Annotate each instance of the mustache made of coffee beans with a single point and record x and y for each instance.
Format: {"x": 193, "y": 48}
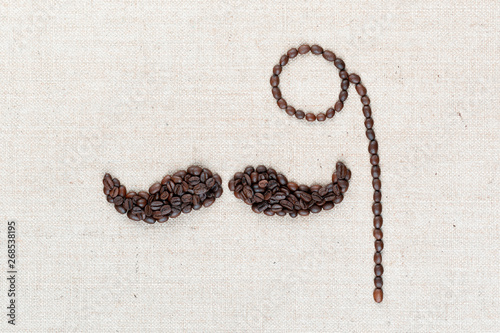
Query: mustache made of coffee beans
{"x": 271, "y": 193}
{"x": 182, "y": 192}
{"x": 347, "y": 79}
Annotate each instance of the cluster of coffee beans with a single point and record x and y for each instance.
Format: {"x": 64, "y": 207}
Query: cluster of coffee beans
{"x": 180, "y": 193}
{"x": 271, "y": 193}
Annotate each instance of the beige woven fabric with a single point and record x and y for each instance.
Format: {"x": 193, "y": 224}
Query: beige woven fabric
{"x": 144, "y": 88}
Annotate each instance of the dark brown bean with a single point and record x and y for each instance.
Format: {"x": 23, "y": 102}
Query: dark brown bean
{"x": 379, "y": 245}
{"x": 300, "y": 114}
{"x": 339, "y": 63}
{"x": 284, "y": 60}
{"x": 377, "y": 258}
{"x": 361, "y": 89}
{"x": 369, "y": 123}
{"x": 290, "y": 110}
{"x": 378, "y": 221}
{"x": 375, "y": 171}
{"x": 367, "y": 111}
{"x": 292, "y": 53}
{"x": 276, "y": 93}
{"x": 303, "y": 49}
{"x": 354, "y": 78}
{"x": 120, "y": 209}
{"x": 277, "y": 70}
{"x": 321, "y": 117}
{"x": 344, "y": 85}
{"x": 379, "y": 270}
{"x": 377, "y": 196}
{"x": 275, "y": 80}
{"x": 373, "y": 147}
{"x": 377, "y": 184}
{"x": 374, "y": 160}
{"x": 310, "y": 116}
{"x": 343, "y": 96}
{"x": 316, "y": 49}
{"x": 378, "y": 295}
{"x": 365, "y": 100}
{"x": 378, "y": 282}
{"x": 338, "y": 106}
{"x": 281, "y": 103}
{"x": 378, "y": 234}
{"x": 329, "y": 55}
{"x": 330, "y": 113}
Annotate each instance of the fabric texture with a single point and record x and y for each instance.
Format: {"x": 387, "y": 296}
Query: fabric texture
{"x": 141, "y": 89}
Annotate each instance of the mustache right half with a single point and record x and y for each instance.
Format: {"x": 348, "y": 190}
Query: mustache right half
{"x": 271, "y": 193}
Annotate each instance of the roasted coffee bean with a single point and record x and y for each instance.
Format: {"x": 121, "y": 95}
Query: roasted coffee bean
{"x": 114, "y": 192}
{"x": 343, "y": 96}
{"x": 377, "y": 184}
{"x": 281, "y": 103}
{"x": 290, "y": 110}
{"x": 338, "y": 106}
{"x": 118, "y": 200}
{"x": 344, "y": 86}
{"x": 148, "y": 210}
{"x": 361, "y": 89}
{"x": 365, "y": 100}
{"x": 276, "y": 92}
{"x": 329, "y": 55}
{"x": 330, "y": 113}
{"x": 200, "y": 189}
{"x": 378, "y": 282}
{"x": 300, "y": 114}
{"x": 375, "y": 171}
{"x": 292, "y": 53}
{"x": 310, "y": 116}
{"x": 374, "y": 159}
{"x": 354, "y": 78}
{"x": 128, "y": 204}
{"x": 303, "y": 49}
{"x": 339, "y": 63}
{"x": 378, "y": 221}
{"x": 378, "y": 295}
{"x": 284, "y": 60}
{"x": 379, "y": 245}
{"x": 321, "y": 117}
{"x": 377, "y": 196}
{"x": 328, "y": 205}
{"x": 379, "y": 270}
{"x": 193, "y": 181}
{"x": 316, "y": 49}
{"x": 277, "y": 70}
{"x": 120, "y": 209}
{"x": 378, "y": 234}
{"x": 373, "y": 147}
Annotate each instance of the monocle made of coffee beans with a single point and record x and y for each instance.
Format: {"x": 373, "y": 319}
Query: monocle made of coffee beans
{"x": 346, "y": 80}
{"x": 271, "y": 193}
{"x": 182, "y": 192}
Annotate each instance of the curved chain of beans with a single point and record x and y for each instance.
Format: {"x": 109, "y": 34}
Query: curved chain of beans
{"x": 347, "y": 79}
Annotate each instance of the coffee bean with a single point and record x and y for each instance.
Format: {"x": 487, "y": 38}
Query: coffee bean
{"x": 292, "y": 53}
{"x": 378, "y": 282}
{"x": 329, "y": 55}
{"x": 377, "y": 184}
{"x": 354, "y": 78}
{"x": 365, "y": 100}
{"x": 303, "y": 49}
{"x": 284, "y": 60}
{"x": 368, "y": 123}
{"x": 118, "y": 200}
{"x": 275, "y": 81}
{"x": 373, "y": 147}
{"x": 379, "y": 270}
{"x": 343, "y": 96}
{"x": 316, "y": 49}
{"x": 290, "y": 110}
{"x": 375, "y": 171}
{"x": 361, "y": 89}
{"x": 330, "y": 113}
{"x": 310, "y": 117}
{"x": 276, "y": 92}
{"x": 300, "y": 114}
{"x": 277, "y": 70}
{"x": 344, "y": 86}
{"x": 378, "y": 295}
{"x": 379, "y": 245}
{"x": 321, "y": 117}
{"x": 378, "y": 221}
{"x": 120, "y": 209}
{"x": 378, "y": 234}
{"x": 339, "y": 63}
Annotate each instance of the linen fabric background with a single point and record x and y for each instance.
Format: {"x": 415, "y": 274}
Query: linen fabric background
{"x": 141, "y": 89}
